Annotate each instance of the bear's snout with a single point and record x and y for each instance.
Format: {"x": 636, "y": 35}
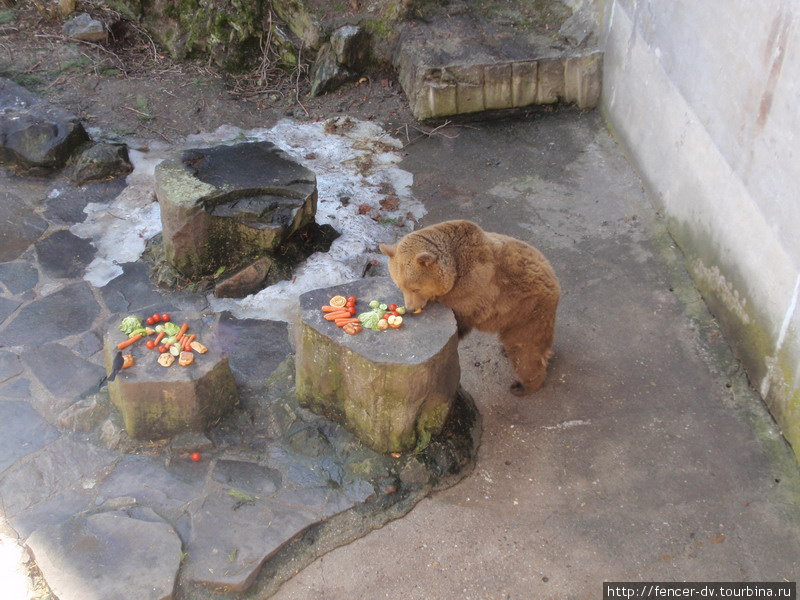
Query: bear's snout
{"x": 414, "y": 302}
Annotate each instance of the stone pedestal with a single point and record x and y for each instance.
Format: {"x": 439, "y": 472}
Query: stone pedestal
{"x": 225, "y": 205}
{"x": 392, "y": 389}
{"x": 158, "y": 402}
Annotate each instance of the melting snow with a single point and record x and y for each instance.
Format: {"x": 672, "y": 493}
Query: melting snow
{"x": 355, "y": 163}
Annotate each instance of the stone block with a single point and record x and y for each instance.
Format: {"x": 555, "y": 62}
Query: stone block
{"x": 497, "y": 88}
{"x": 550, "y": 81}
{"x": 438, "y": 100}
{"x": 392, "y": 389}
{"x": 583, "y": 80}
{"x": 469, "y": 88}
{"x": 224, "y": 205}
{"x": 523, "y": 83}
{"x": 158, "y": 402}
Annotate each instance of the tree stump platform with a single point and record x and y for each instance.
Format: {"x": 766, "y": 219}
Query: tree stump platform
{"x": 159, "y": 402}
{"x": 392, "y": 389}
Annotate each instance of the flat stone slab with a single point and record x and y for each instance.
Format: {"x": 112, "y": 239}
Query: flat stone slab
{"x": 123, "y": 557}
{"x": 157, "y": 402}
{"x": 467, "y": 60}
{"x": 393, "y": 388}
{"x": 223, "y": 205}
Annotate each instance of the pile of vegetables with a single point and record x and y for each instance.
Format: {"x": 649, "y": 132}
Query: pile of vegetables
{"x": 380, "y": 316}
{"x": 171, "y": 340}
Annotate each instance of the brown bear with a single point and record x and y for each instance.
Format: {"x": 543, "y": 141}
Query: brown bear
{"x": 492, "y": 282}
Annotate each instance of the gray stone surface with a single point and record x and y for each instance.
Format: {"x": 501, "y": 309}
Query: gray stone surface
{"x": 33, "y": 134}
{"x": 7, "y": 307}
{"x": 66, "y": 207}
{"x": 224, "y": 205}
{"x": 18, "y": 277}
{"x": 19, "y": 226}
{"x": 63, "y": 372}
{"x": 62, "y": 254}
{"x": 392, "y": 389}
{"x": 133, "y": 292}
{"x": 125, "y": 558}
{"x": 20, "y": 388}
{"x": 9, "y": 365}
{"x": 22, "y": 432}
{"x": 327, "y": 73}
{"x": 254, "y": 348}
{"x": 68, "y": 311}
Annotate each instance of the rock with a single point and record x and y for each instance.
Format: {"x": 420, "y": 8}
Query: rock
{"x": 19, "y": 224}
{"x": 109, "y": 553}
{"x": 63, "y": 254}
{"x": 301, "y": 21}
{"x": 247, "y": 477}
{"x": 8, "y": 306}
{"x": 391, "y": 389}
{"x": 350, "y": 46}
{"x": 99, "y": 161}
{"x": 327, "y": 74}
{"x": 21, "y": 389}
{"x": 68, "y": 311}
{"x": 221, "y": 206}
{"x": 35, "y": 136}
{"x": 246, "y": 281}
{"x": 190, "y": 441}
{"x": 18, "y": 276}
{"x": 111, "y": 434}
{"x": 157, "y": 402}
{"x": 85, "y": 28}
{"x": 254, "y": 347}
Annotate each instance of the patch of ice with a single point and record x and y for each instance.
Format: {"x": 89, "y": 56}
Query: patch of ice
{"x": 356, "y": 167}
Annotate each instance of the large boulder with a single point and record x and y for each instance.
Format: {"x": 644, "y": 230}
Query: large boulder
{"x": 392, "y": 389}
{"x": 224, "y": 205}
{"x": 35, "y": 135}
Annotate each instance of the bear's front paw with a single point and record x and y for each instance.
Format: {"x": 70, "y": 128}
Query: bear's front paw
{"x": 518, "y": 389}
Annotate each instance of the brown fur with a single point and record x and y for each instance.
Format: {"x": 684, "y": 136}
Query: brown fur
{"x": 492, "y": 282}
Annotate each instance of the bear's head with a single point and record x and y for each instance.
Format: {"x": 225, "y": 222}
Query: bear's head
{"x": 419, "y": 270}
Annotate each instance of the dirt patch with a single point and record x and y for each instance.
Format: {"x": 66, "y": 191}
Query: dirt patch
{"x": 131, "y": 88}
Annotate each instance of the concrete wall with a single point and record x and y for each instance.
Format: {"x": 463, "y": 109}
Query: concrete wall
{"x": 705, "y": 94}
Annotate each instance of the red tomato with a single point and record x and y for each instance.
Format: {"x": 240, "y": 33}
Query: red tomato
{"x": 156, "y": 318}
{"x": 352, "y": 299}
{"x": 165, "y": 317}
{"x": 163, "y": 348}
{"x": 149, "y": 320}
{"x": 150, "y": 344}
{"x": 196, "y": 456}
{"x": 392, "y": 307}
{"x": 386, "y": 315}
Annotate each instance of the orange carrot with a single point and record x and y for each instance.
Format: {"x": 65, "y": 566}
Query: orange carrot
{"x": 343, "y": 314}
{"x": 129, "y": 341}
{"x": 187, "y": 340}
{"x": 327, "y": 308}
{"x": 342, "y": 322}
{"x": 183, "y": 329}
{"x": 160, "y": 337}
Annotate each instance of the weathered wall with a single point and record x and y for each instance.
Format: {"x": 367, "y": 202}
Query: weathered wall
{"x": 705, "y": 96}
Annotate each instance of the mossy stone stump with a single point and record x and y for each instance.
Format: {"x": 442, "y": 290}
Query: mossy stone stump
{"x": 159, "y": 402}
{"x": 228, "y": 205}
{"x": 391, "y": 389}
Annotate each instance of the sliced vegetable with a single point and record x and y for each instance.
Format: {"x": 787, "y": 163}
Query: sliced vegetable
{"x": 352, "y": 328}
{"x": 339, "y": 301}
{"x": 401, "y": 310}
{"x": 127, "y": 361}
{"x": 395, "y": 321}
{"x": 165, "y": 359}
{"x": 374, "y": 304}
{"x": 198, "y": 347}
{"x": 185, "y": 359}
{"x": 129, "y": 341}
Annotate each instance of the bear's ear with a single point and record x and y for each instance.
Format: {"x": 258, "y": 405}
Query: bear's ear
{"x": 388, "y": 249}
{"x": 425, "y": 259}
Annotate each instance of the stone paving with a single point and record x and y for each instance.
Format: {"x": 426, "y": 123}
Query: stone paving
{"x": 131, "y": 519}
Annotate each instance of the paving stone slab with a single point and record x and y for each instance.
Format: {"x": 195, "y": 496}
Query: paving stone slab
{"x": 21, "y": 388}
{"x": 18, "y": 277}
{"x": 7, "y": 307}
{"x": 63, "y": 254}
{"x": 62, "y": 372}
{"x": 69, "y": 311}
{"x": 22, "y": 432}
{"x": 10, "y": 365}
{"x": 20, "y": 226}
{"x": 114, "y": 555}
{"x": 53, "y": 511}
{"x": 64, "y": 205}
{"x": 57, "y": 467}
{"x": 254, "y": 348}
{"x": 133, "y": 291}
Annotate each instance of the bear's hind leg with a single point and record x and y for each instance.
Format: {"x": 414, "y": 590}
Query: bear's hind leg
{"x": 528, "y": 358}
